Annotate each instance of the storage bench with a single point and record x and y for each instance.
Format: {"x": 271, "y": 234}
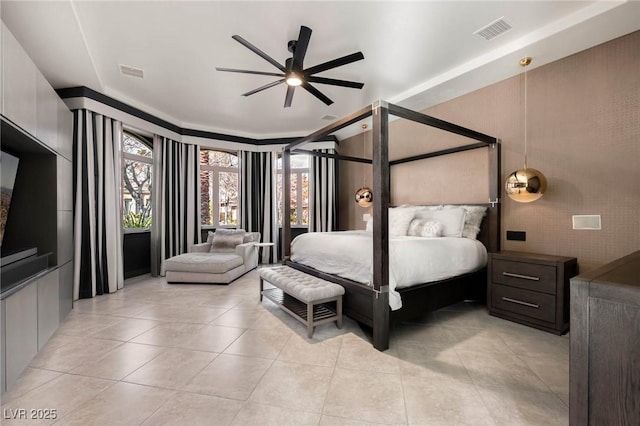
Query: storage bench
{"x": 309, "y": 299}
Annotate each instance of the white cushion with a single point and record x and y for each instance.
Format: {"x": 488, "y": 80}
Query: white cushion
{"x": 399, "y": 220}
{"x": 452, "y": 219}
{"x": 249, "y": 237}
{"x": 472, "y": 220}
{"x": 226, "y": 240}
{"x": 425, "y": 228}
{"x": 213, "y": 263}
{"x": 303, "y": 287}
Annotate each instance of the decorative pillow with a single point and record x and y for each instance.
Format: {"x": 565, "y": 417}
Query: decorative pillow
{"x": 227, "y": 239}
{"x": 399, "y": 220}
{"x": 250, "y": 237}
{"x": 425, "y": 228}
{"x": 452, "y": 219}
{"x": 472, "y": 220}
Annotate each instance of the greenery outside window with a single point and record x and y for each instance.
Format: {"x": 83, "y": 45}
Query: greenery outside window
{"x": 299, "y": 191}
{"x": 137, "y": 175}
{"x": 219, "y": 188}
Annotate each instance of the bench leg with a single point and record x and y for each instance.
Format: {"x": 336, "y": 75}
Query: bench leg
{"x": 310, "y": 320}
{"x": 339, "y": 309}
{"x": 261, "y": 288}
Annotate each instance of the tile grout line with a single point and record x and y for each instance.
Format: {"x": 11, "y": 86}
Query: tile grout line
{"x": 333, "y": 374}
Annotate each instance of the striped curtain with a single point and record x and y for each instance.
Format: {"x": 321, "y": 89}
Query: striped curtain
{"x": 176, "y": 222}
{"x": 258, "y": 205}
{"x": 98, "y": 265}
{"x": 322, "y": 193}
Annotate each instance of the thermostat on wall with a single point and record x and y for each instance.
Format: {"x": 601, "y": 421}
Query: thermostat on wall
{"x": 587, "y": 221}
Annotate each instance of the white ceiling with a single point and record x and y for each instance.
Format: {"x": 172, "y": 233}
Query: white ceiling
{"x": 417, "y": 54}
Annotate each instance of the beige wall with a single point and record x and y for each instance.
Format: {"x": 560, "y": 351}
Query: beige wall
{"x": 583, "y": 134}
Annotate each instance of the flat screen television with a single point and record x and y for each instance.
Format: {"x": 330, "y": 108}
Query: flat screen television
{"x": 9, "y": 169}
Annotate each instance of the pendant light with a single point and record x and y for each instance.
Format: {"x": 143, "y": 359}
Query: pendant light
{"x": 364, "y": 195}
{"x": 525, "y": 185}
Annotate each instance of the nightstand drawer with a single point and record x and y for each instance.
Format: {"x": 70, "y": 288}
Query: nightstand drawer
{"x": 525, "y": 275}
{"x": 524, "y": 302}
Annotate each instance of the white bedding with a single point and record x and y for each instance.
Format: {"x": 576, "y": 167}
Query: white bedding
{"x": 412, "y": 260}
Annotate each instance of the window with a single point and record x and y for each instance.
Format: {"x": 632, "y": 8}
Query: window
{"x": 299, "y": 190}
{"x": 137, "y": 172}
{"x": 218, "y": 188}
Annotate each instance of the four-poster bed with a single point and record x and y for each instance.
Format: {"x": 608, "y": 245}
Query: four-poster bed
{"x": 369, "y": 304}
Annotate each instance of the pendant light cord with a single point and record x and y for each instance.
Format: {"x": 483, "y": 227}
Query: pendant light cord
{"x": 364, "y": 127}
{"x": 525, "y": 117}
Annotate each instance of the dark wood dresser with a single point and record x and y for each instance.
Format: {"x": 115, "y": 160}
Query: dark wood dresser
{"x": 530, "y": 288}
{"x": 604, "y": 385}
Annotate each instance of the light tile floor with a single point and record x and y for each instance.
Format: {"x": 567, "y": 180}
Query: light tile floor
{"x": 160, "y": 354}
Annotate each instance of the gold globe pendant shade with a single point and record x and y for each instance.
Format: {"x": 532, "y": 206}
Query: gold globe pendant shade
{"x": 525, "y": 185}
{"x": 364, "y": 197}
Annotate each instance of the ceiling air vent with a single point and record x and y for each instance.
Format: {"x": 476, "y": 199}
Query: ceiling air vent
{"x": 132, "y": 71}
{"x": 329, "y": 117}
{"x": 494, "y": 29}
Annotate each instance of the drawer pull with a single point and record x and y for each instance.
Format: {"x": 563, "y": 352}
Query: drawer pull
{"x": 524, "y": 277}
{"x": 520, "y": 302}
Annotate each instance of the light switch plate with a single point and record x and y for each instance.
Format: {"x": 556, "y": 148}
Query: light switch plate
{"x": 366, "y": 217}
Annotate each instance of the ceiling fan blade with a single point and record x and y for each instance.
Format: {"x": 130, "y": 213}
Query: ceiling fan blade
{"x": 301, "y": 47}
{"x": 343, "y": 83}
{"x": 335, "y": 63}
{"x": 249, "y": 72}
{"x": 315, "y": 92}
{"x": 259, "y": 52}
{"x": 261, "y": 88}
{"x": 289, "y": 97}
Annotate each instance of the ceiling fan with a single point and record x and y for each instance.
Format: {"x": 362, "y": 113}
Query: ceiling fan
{"x": 293, "y": 72}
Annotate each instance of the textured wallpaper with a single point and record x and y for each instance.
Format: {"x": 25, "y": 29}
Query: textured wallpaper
{"x": 583, "y": 134}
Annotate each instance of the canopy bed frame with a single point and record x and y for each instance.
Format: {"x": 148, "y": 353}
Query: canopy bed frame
{"x": 370, "y": 304}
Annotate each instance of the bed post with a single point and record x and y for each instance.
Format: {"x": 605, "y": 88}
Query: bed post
{"x": 286, "y": 207}
{"x": 381, "y": 198}
{"x": 495, "y": 184}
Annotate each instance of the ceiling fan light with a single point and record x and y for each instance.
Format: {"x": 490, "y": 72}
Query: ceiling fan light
{"x": 293, "y": 80}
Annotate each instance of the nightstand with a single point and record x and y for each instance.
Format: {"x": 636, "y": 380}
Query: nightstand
{"x": 531, "y": 289}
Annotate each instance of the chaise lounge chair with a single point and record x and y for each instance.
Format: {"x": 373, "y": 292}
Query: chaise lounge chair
{"x": 227, "y": 255}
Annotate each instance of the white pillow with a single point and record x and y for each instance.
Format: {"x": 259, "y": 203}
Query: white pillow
{"x": 452, "y": 219}
{"x": 425, "y": 228}
{"x": 472, "y": 221}
{"x": 226, "y": 240}
{"x": 399, "y": 220}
